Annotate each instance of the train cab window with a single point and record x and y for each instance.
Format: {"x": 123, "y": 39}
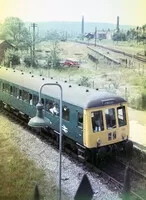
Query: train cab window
{"x": 121, "y": 116}
{"x": 65, "y": 113}
{"x": 80, "y": 119}
{"x": 35, "y": 100}
{"x": 110, "y": 118}
{"x": 97, "y": 121}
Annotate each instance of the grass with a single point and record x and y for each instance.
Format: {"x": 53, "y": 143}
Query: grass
{"x": 18, "y": 174}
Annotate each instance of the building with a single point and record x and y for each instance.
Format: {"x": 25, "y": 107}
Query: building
{"x": 100, "y": 35}
{"x": 4, "y": 45}
{"x": 103, "y": 35}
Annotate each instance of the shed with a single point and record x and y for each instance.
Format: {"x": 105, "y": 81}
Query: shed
{"x": 4, "y": 45}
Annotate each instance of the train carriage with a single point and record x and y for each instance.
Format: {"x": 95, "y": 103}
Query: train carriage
{"x": 93, "y": 121}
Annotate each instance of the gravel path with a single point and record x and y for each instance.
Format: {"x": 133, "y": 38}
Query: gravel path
{"x": 46, "y": 157}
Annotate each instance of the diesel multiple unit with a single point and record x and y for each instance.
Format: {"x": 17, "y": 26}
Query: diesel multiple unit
{"x": 93, "y": 121}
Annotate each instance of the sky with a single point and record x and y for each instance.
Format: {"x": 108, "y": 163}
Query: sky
{"x": 131, "y": 12}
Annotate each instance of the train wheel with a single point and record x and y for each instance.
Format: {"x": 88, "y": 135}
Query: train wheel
{"x": 101, "y": 156}
{"x": 88, "y": 155}
{"x": 93, "y": 158}
{"x": 129, "y": 149}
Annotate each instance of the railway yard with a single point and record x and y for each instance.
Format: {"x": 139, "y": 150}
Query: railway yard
{"x": 126, "y": 78}
{"x": 114, "y": 72}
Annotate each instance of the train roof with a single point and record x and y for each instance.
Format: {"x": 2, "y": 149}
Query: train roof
{"x": 72, "y": 93}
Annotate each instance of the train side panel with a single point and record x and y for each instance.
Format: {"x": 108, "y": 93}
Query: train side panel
{"x": 71, "y": 126}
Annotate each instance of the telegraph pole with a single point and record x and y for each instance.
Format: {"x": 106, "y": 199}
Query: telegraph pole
{"x": 33, "y": 44}
{"x": 19, "y": 41}
{"x": 95, "y": 35}
{"x": 19, "y": 26}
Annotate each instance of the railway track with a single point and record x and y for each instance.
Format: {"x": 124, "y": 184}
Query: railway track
{"x": 112, "y": 172}
{"x": 137, "y": 57}
{"x": 116, "y": 169}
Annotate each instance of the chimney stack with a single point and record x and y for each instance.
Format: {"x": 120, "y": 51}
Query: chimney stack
{"x": 82, "y": 27}
{"x": 118, "y": 24}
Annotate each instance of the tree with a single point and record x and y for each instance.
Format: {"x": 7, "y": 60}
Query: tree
{"x": 84, "y": 81}
{"x": 53, "y": 35}
{"x": 12, "y": 56}
{"x": 54, "y": 58}
{"x": 132, "y": 34}
{"x": 13, "y": 29}
{"x": 119, "y": 36}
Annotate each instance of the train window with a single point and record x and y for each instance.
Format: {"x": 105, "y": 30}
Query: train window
{"x": 15, "y": 91}
{"x": 0, "y": 85}
{"x": 49, "y": 105}
{"x": 80, "y": 119}
{"x": 35, "y": 100}
{"x": 42, "y": 101}
{"x": 25, "y": 96}
{"x": 121, "y": 116}
{"x": 110, "y": 118}
{"x": 97, "y": 121}
{"x": 52, "y": 107}
{"x": 3, "y": 87}
{"x": 30, "y": 99}
{"x": 11, "y": 90}
{"x": 65, "y": 113}
{"x": 6, "y": 87}
{"x": 19, "y": 95}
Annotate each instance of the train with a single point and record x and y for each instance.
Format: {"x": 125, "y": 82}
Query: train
{"x": 94, "y": 122}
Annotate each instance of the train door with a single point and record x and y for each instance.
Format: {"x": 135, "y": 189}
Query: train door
{"x": 110, "y": 124}
{"x": 116, "y": 124}
{"x": 79, "y": 127}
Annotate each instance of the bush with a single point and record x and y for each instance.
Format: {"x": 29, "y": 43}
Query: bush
{"x": 119, "y": 36}
{"x": 139, "y": 101}
{"x": 84, "y": 81}
{"x": 27, "y": 60}
{"x": 143, "y": 100}
{"x": 13, "y": 56}
{"x": 144, "y": 84}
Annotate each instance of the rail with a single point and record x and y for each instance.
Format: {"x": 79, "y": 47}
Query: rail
{"x": 116, "y": 51}
{"x": 106, "y": 56}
